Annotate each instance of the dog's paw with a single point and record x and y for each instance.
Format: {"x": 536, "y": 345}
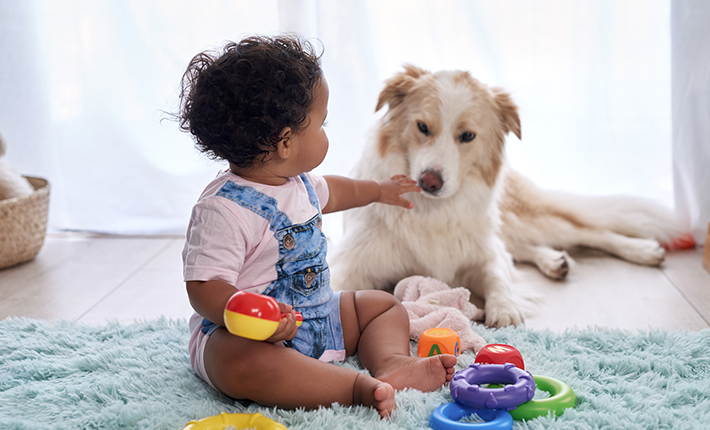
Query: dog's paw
{"x": 503, "y": 314}
{"x": 642, "y": 251}
{"x": 555, "y": 266}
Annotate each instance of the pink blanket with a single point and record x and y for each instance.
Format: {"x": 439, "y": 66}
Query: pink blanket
{"x": 431, "y": 303}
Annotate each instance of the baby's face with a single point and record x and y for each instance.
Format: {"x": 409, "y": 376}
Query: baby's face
{"x": 311, "y": 143}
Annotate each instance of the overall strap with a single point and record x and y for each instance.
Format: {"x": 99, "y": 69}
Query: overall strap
{"x": 257, "y": 202}
{"x": 312, "y": 197}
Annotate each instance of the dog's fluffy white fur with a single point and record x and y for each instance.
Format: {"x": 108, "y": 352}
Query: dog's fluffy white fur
{"x": 476, "y": 215}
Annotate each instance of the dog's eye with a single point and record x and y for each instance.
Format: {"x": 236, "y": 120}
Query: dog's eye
{"x": 467, "y": 136}
{"x": 423, "y": 128}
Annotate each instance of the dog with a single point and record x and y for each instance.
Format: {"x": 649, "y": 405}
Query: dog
{"x": 475, "y": 215}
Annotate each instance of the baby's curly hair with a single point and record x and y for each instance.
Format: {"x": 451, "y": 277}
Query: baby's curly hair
{"x": 235, "y": 102}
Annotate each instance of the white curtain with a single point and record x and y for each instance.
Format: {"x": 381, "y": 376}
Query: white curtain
{"x": 83, "y": 87}
{"x": 691, "y": 112}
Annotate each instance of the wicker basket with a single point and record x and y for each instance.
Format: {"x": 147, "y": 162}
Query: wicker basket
{"x": 23, "y": 224}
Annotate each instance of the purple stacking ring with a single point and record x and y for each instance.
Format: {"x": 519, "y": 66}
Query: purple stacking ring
{"x": 466, "y": 386}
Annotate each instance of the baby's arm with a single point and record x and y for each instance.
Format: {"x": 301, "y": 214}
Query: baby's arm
{"x": 209, "y": 298}
{"x": 347, "y": 193}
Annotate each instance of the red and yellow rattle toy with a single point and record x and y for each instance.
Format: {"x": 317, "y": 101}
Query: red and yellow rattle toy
{"x": 254, "y": 316}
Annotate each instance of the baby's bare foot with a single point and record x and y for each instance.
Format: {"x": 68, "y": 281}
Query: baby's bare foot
{"x": 372, "y": 392}
{"x": 424, "y": 374}
{"x": 384, "y": 396}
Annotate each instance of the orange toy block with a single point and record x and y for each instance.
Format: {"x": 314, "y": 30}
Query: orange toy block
{"x": 439, "y": 340}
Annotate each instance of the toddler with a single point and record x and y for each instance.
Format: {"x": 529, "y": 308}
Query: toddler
{"x": 261, "y": 105}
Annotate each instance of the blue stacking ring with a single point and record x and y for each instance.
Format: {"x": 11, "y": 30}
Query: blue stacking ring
{"x": 446, "y": 417}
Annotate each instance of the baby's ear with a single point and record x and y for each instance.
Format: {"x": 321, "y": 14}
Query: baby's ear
{"x": 283, "y": 146}
{"x": 398, "y": 86}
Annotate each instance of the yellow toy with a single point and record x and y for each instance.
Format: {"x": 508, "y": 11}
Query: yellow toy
{"x": 240, "y": 421}
{"x": 439, "y": 340}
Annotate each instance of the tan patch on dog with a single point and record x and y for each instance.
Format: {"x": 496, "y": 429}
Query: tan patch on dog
{"x": 398, "y": 86}
{"x": 509, "y": 121}
{"x": 492, "y": 170}
{"x": 531, "y": 207}
{"x": 412, "y": 87}
{"x": 507, "y": 111}
{"x": 388, "y": 143}
{"x": 491, "y": 102}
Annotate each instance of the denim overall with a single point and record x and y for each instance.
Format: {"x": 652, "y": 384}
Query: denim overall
{"x": 303, "y": 277}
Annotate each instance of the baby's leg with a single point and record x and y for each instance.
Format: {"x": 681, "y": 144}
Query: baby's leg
{"x": 376, "y": 326}
{"x": 274, "y": 375}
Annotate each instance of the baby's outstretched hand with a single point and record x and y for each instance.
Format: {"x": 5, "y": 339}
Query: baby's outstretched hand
{"x": 287, "y": 328}
{"x": 393, "y": 188}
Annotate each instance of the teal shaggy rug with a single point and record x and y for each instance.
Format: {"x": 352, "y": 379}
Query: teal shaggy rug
{"x": 137, "y": 376}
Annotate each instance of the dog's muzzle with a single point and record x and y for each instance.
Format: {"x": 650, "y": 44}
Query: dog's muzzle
{"x": 431, "y": 181}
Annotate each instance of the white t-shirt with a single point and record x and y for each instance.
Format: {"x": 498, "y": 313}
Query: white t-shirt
{"x": 230, "y": 243}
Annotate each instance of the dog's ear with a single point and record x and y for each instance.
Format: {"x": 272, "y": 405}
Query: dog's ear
{"x": 397, "y": 87}
{"x": 507, "y": 111}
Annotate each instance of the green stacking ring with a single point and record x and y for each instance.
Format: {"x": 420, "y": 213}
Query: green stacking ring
{"x": 561, "y": 398}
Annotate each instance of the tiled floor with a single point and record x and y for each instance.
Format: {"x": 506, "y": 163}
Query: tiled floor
{"x": 92, "y": 278}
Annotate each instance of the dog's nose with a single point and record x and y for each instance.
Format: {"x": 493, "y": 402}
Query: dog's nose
{"x": 430, "y": 181}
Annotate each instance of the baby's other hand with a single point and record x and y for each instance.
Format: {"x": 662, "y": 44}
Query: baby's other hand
{"x": 287, "y": 328}
{"x": 392, "y": 190}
